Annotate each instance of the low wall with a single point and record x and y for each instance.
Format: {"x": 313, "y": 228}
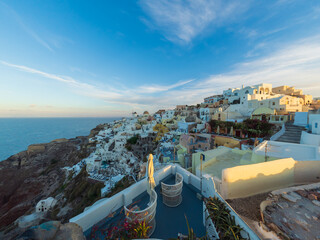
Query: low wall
{"x": 188, "y": 177}
{"x": 99, "y": 211}
{"x": 244, "y": 181}
{"x": 227, "y": 141}
{"x": 310, "y": 139}
{"x": 208, "y": 156}
{"x": 306, "y": 172}
{"x": 278, "y": 134}
{"x": 288, "y": 150}
{"x": 104, "y": 207}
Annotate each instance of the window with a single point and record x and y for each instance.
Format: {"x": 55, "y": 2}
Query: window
{"x": 261, "y": 103}
{"x": 273, "y": 103}
{"x": 316, "y": 125}
{"x": 247, "y": 92}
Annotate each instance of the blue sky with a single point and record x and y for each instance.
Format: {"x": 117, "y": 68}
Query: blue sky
{"x": 107, "y": 58}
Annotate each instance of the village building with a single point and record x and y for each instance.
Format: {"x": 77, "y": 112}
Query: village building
{"x": 205, "y": 114}
{"x": 213, "y": 99}
{"x": 291, "y": 91}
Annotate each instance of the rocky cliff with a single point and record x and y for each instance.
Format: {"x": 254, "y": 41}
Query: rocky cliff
{"x": 35, "y": 174}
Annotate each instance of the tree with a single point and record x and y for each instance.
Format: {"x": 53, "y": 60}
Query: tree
{"x": 161, "y": 131}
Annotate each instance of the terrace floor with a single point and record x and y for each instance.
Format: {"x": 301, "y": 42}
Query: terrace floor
{"x": 169, "y": 221}
{"x": 227, "y": 160}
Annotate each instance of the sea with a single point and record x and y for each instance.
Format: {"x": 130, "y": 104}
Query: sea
{"x": 16, "y": 134}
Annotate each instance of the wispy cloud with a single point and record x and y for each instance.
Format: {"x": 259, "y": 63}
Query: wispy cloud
{"x": 21, "y": 22}
{"x": 120, "y": 95}
{"x": 159, "y": 88}
{"x": 182, "y": 20}
{"x": 296, "y": 64}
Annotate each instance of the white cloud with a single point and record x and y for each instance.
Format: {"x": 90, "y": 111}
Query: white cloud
{"x": 297, "y": 64}
{"x": 182, "y": 20}
{"x": 158, "y": 88}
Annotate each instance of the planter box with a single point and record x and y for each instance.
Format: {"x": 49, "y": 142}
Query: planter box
{"x": 210, "y": 228}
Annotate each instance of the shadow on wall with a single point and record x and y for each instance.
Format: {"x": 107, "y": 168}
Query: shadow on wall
{"x": 245, "y": 181}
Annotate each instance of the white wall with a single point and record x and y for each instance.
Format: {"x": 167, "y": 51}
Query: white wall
{"x": 104, "y": 207}
{"x": 301, "y": 119}
{"x": 310, "y": 139}
{"x": 288, "y": 150}
{"x": 313, "y": 119}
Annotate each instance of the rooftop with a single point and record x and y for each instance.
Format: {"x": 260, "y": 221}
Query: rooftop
{"x": 169, "y": 221}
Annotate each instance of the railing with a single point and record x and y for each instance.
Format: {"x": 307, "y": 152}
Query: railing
{"x": 171, "y": 194}
{"x": 147, "y": 215}
{"x": 278, "y": 134}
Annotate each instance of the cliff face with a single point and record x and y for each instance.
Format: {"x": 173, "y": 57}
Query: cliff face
{"x": 35, "y": 174}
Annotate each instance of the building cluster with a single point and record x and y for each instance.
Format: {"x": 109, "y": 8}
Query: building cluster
{"x": 246, "y": 141}
{"x": 261, "y": 101}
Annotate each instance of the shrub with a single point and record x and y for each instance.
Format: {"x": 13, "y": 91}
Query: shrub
{"x": 222, "y": 219}
{"x": 133, "y": 140}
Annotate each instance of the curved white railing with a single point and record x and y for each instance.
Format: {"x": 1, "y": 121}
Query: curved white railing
{"x": 147, "y": 215}
{"x": 171, "y": 194}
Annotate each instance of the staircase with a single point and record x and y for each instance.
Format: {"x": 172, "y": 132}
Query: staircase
{"x": 292, "y": 134}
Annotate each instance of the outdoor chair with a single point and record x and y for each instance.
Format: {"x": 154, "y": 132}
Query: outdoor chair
{"x": 171, "y": 194}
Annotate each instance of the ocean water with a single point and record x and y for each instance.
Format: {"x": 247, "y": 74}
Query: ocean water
{"x": 16, "y": 134}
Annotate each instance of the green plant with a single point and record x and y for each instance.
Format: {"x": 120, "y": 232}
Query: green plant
{"x": 124, "y": 230}
{"x": 223, "y": 220}
{"x": 133, "y": 140}
{"x": 191, "y": 234}
{"x": 142, "y": 229}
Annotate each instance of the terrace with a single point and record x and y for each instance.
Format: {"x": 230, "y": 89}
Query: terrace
{"x": 170, "y": 221}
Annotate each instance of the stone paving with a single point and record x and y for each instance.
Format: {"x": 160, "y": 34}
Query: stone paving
{"x": 294, "y": 213}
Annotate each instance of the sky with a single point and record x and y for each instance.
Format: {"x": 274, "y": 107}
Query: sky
{"x": 108, "y": 58}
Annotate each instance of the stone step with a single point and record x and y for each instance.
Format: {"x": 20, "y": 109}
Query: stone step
{"x": 289, "y": 140}
{"x": 293, "y": 138}
{"x": 288, "y": 136}
{"x": 294, "y": 126}
{"x": 292, "y": 135}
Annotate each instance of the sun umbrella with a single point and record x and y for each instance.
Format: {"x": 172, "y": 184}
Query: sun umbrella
{"x": 150, "y": 179}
